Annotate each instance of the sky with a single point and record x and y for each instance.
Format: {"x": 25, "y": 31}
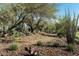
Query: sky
{"x": 72, "y": 7}
{"x": 65, "y": 6}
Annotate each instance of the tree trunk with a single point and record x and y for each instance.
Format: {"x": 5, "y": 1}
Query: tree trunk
{"x": 19, "y": 21}
{"x": 31, "y": 28}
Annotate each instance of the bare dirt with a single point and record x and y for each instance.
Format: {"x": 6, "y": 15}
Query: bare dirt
{"x": 45, "y": 50}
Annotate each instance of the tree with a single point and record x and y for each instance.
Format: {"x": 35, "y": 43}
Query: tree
{"x": 61, "y": 23}
{"x": 28, "y": 12}
{"x": 5, "y": 18}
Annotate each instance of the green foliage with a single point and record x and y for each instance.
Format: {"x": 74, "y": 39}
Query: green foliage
{"x": 31, "y": 11}
{"x": 60, "y": 27}
{"x": 77, "y": 34}
{"x": 15, "y": 14}
{"x": 77, "y": 40}
{"x": 13, "y": 47}
{"x": 51, "y": 28}
{"x": 61, "y": 32}
{"x": 17, "y": 34}
{"x": 70, "y": 47}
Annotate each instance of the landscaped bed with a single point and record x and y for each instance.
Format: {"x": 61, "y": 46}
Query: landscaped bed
{"x": 48, "y": 46}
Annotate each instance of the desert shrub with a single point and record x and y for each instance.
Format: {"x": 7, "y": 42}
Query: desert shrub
{"x": 13, "y": 47}
{"x": 60, "y": 32}
{"x": 51, "y": 28}
{"x": 77, "y": 40}
{"x": 39, "y": 43}
{"x": 15, "y": 38}
{"x": 70, "y": 48}
{"x": 17, "y": 34}
{"x": 77, "y": 35}
{"x": 55, "y": 44}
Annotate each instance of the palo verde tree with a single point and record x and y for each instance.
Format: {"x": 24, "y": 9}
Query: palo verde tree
{"x": 28, "y": 13}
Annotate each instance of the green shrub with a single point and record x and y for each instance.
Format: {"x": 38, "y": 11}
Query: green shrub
{"x": 16, "y": 33}
{"x": 39, "y": 43}
{"x": 70, "y": 48}
{"x": 60, "y": 32}
{"x": 77, "y": 35}
{"x": 55, "y": 44}
{"x": 77, "y": 40}
{"x": 13, "y": 47}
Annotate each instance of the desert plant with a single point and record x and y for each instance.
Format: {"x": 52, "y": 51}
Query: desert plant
{"x": 71, "y": 28}
{"x": 39, "y": 43}
{"x": 55, "y": 44}
{"x": 69, "y": 24}
{"x": 77, "y": 40}
{"x": 70, "y": 48}
{"x": 17, "y": 34}
{"x": 33, "y": 11}
{"x": 60, "y": 32}
{"x": 13, "y": 47}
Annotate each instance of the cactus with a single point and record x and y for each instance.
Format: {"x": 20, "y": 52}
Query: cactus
{"x": 71, "y": 28}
